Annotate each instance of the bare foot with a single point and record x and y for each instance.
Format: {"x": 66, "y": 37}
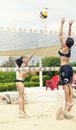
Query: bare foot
{"x": 23, "y": 115}
{"x": 70, "y": 105}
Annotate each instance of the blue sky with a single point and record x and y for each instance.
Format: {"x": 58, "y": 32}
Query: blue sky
{"x": 25, "y": 13}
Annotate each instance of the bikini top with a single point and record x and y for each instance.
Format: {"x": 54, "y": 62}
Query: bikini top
{"x": 64, "y": 54}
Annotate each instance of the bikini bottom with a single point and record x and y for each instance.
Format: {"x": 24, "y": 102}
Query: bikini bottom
{"x": 19, "y": 80}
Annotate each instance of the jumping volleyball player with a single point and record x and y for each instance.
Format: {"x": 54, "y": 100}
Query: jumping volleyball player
{"x": 66, "y": 71}
{"x": 21, "y": 63}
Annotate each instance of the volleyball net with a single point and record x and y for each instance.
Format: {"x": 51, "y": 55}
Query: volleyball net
{"x": 23, "y": 42}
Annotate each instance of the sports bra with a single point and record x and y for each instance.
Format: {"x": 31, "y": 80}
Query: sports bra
{"x": 63, "y": 54}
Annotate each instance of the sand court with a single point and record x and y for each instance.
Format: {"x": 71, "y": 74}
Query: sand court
{"x": 41, "y": 116}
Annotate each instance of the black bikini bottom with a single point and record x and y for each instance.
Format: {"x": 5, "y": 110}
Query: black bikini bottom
{"x": 19, "y": 80}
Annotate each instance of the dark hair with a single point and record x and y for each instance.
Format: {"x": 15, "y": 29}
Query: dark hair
{"x": 19, "y": 61}
{"x": 69, "y": 42}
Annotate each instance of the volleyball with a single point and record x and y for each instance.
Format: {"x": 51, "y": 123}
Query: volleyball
{"x": 43, "y": 14}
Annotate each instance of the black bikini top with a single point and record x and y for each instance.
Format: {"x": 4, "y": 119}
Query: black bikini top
{"x": 63, "y": 54}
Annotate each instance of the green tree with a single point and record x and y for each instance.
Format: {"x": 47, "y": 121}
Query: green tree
{"x": 9, "y": 63}
{"x": 73, "y": 64}
{"x": 50, "y": 62}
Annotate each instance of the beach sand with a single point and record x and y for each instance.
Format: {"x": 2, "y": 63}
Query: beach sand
{"x": 42, "y": 116}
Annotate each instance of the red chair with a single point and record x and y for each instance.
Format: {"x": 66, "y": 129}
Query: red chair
{"x": 74, "y": 78}
{"x": 74, "y": 81}
{"x": 53, "y": 82}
